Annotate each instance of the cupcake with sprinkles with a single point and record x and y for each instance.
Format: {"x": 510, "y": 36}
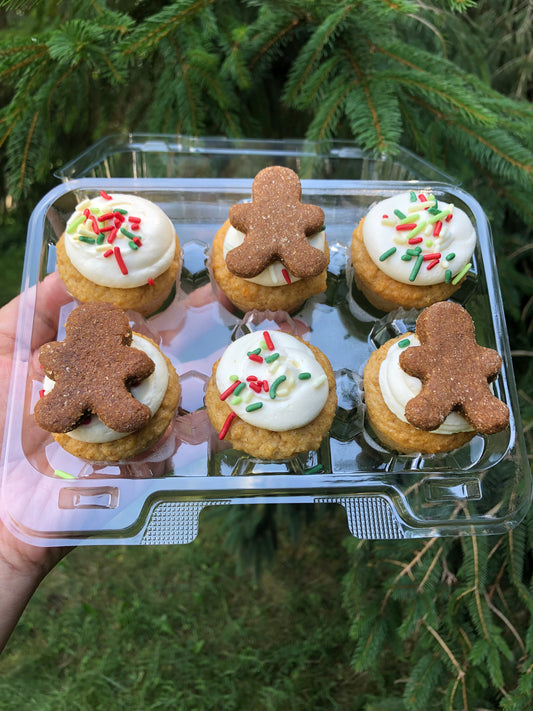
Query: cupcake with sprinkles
{"x": 412, "y": 250}
{"x": 121, "y": 249}
{"x": 271, "y": 253}
{"x": 272, "y": 395}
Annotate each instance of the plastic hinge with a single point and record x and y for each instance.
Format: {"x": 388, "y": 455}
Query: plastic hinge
{"x": 175, "y": 522}
{"x": 369, "y": 517}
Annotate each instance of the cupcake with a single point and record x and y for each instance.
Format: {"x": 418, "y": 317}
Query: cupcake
{"x": 412, "y": 250}
{"x": 271, "y": 254}
{"x": 109, "y": 394}
{"x": 429, "y": 391}
{"x": 272, "y": 395}
{"x": 121, "y": 249}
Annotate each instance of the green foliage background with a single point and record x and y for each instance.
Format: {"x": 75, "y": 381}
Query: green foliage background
{"x": 428, "y": 625}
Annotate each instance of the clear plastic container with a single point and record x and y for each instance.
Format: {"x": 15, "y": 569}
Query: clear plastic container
{"x": 49, "y": 497}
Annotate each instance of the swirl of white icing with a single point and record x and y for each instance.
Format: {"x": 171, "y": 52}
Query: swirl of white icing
{"x": 397, "y": 388}
{"x": 150, "y": 392}
{"x": 291, "y": 401}
{"x": 147, "y": 251}
{"x": 434, "y": 227}
{"x": 273, "y": 274}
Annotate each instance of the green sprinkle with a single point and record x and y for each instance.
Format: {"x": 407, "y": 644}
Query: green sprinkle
{"x": 413, "y": 252}
{"x": 387, "y": 254}
{"x": 314, "y": 470}
{"x": 304, "y": 376}
{"x": 407, "y": 257}
{"x": 277, "y": 382}
{"x": 433, "y": 210}
{"x": 429, "y": 243}
{"x": 399, "y": 214}
{"x": 263, "y": 346}
{"x": 403, "y": 343}
{"x": 63, "y": 475}
{"x": 450, "y": 256}
{"x": 412, "y": 196}
{"x": 439, "y": 216}
{"x": 254, "y": 406}
{"x": 271, "y": 358}
{"x": 127, "y": 233}
{"x": 412, "y": 233}
{"x": 132, "y": 244}
{"x": 461, "y": 274}
{"x": 416, "y": 268}
{"x": 233, "y": 378}
{"x": 75, "y": 223}
{"x": 236, "y": 400}
{"x": 239, "y": 389}
{"x": 89, "y": 240}
{"x": 121, "y": 210}
{"x": 257, "y": 351}
{"x": 448, "y": 276}
{"x": 100, "y": 238}
{"x": 322, "y": 228}
{"x": 410, "y": 218}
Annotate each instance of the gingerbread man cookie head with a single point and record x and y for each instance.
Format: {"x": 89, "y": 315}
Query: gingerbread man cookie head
{"x": 92, "y": 369}
{"x": 455, "y": 372}
{"x": 277, "y": 226}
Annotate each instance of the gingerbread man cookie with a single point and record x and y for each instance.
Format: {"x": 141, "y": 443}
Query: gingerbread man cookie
{"x": 455, "y": 372}
{"x": 276, "y": 224}
{"x": 92, "y": 369}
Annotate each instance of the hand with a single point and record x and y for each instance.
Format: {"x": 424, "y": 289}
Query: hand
{"x": 23, "y": 566}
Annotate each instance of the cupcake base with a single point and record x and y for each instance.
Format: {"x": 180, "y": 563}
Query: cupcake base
{"x": 388, "y": 294}
{"x": 135, "y": 443}
{"x": 247, "y": 295}
{"x": 145, "y": 299}
{"x": 393, "y": 432}
{"x": 265, "y": 444}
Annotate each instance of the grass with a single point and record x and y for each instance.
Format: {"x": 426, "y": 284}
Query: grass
{"x": 145, "y": 628}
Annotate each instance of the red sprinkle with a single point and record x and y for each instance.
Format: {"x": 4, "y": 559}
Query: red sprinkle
{"x": 433, "y": 264}
{"x": 225, "y": 427}
{"x": 268, "y": 340}
{"x": 415, "y": 240}
{"x": 422, "y": 197}
{"x": 118, "y": 256}
{"x": 432, "y": 255}
{"x": 135, "y": 226}
{"x": 448, "y": 218}
{"x": 384, "y": 217}
{"x": 251, "y": 378}
{"x": 229, "y": 390}
{"x": 96, "y": 229}
{"x": 286, "y": 276}
{"x": 137, "y": 241}
{"x": 108, "y": 253}
{"x": 256, "y": 358}
{"x": 151, "y": 281}
{"x": 266, "y": 386}
{"x": 41, "y": 392}
{"x": 108, "y": 228}
{"x": 105, "y": 195}
{"x": 406, "y": 227}
{"x": 111, "y": 236}
{"x": 256, "y": 387}
{"x": 107, "y": 216}
{"x": 438, "y": 228}
{"x": 131, "y": 218}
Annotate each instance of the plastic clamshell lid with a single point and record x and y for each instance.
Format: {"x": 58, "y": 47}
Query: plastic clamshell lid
{"x": 49, "y": 497}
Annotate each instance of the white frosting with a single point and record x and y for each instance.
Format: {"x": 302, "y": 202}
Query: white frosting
{"x": 273, "y": 274}
{"x": 397, "y": 388}
{"x": 457, "y": 237}
{"x": 296, "y": 403}
{"x": 150, "y": 392}
{"x": 152, "y": 258}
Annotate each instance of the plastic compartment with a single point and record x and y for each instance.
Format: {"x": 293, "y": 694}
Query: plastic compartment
{"x": 482, "y": 488}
